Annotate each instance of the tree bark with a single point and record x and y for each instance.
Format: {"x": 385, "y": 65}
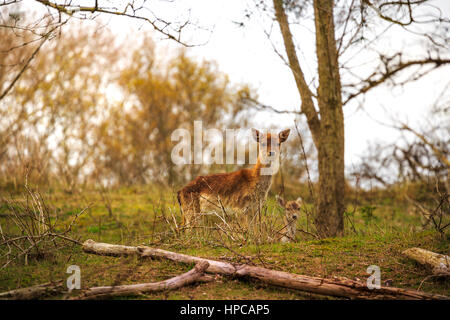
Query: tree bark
{"x": 337, "y": 287}
{"x": 192, "y": 276}
{"x": 328, "y": 131}
{"x": 331, "y": 206}
{"x": 439, "y": 264}
{"x": 34, "y": 292}
{"x": 306, "y": 95}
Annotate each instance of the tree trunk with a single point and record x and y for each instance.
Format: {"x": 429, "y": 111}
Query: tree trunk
{"x": 331, "y": 205}
{"x": 337, "y": 287}
{"x": 328, "y": 131}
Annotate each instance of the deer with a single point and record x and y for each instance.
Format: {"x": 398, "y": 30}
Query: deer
{"x": 245, "y": 190}
{"x": 292, "y": 212}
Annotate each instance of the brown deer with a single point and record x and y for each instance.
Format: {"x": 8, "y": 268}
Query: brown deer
{"x": 292, "y": 213}
{"x": 244, "y": 189}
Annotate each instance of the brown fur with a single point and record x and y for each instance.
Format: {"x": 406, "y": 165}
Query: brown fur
{"x": 292, "y": 213}
{"x": 244, "y": 189}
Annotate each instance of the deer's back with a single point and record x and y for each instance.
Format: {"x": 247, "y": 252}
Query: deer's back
{"x": 234, "y": 189}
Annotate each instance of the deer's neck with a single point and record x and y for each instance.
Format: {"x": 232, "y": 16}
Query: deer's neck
{"x": 263, "y": 176}
{"x": 264, "y": 169}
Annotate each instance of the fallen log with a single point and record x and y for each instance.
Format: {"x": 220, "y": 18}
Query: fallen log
{"x": 34, "y": 292}
{"x": 337, "y": 287}
{"x": 192, "y": 276}
{"x": 438, "y": 264}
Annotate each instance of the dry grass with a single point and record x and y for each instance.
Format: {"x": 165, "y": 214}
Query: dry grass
{"x": 142, "y": 215}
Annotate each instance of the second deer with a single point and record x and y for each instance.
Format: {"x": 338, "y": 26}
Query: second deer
{"x": 291, "y": 215}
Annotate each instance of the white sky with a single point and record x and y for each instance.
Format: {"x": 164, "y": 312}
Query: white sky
{"x": 247, "y": 56}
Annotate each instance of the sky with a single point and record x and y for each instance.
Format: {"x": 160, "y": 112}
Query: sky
{"x": 247, "y": 56}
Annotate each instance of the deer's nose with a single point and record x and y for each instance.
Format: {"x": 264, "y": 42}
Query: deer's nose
{"x": 271, "y": 153}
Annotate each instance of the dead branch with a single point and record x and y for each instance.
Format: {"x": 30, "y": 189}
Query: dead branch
{"x": 337, "y": 287}
{"x": 439, "y": 264}
{"x": 192, "y": 276}
{"x": 39, "y": 229}
{"x": 440, "y": 154}
{"x": 34, "y": 292}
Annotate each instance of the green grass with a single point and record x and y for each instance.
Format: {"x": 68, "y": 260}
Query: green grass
{"x": 382, "y": 232}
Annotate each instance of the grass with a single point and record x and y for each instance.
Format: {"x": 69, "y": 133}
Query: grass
{"x": 382, "y": 232}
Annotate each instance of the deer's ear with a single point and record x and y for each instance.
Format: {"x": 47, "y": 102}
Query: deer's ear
{"x": 284, "y": 135}
{"x": 255, "y": 134}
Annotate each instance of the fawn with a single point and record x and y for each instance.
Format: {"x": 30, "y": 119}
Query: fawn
{"x": 245, "y": 189}
{"x": 292, "y": 212}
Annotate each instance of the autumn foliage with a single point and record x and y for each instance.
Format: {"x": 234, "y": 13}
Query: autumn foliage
{"x": 92, "y": 109}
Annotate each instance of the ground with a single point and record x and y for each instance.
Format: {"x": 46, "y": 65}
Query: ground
{"x": 379, "y": 235}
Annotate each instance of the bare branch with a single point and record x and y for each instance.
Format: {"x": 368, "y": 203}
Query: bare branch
{"x": 129, "y": 11}
{"x": 261, "y": 106}
{"x": 378, "y": 77}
